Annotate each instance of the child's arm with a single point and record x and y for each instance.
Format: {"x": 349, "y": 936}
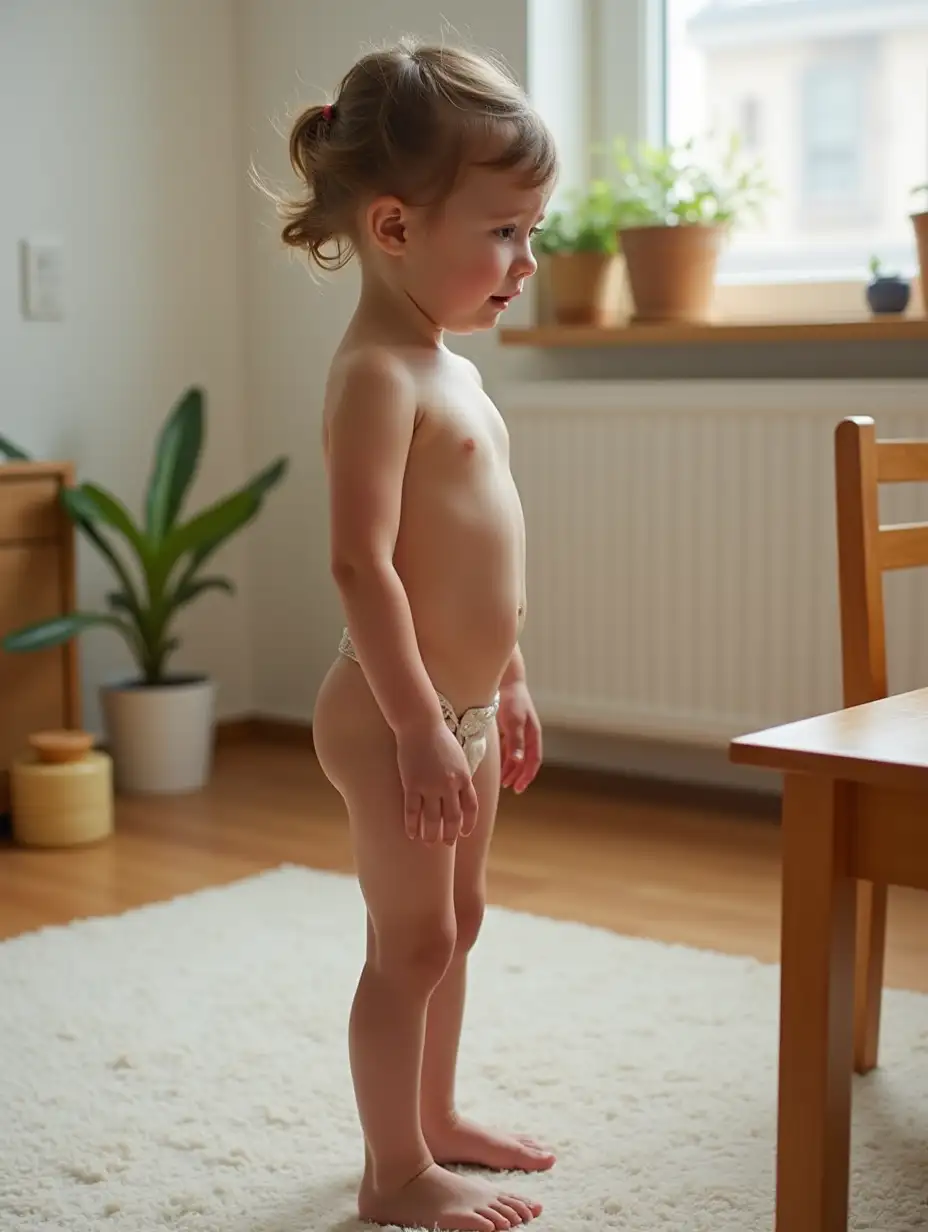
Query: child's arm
{"x": 515, "y": 669}
{"x": 369, "y": 435}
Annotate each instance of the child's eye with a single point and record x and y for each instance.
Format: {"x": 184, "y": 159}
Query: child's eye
{"x": 506, "y": 233}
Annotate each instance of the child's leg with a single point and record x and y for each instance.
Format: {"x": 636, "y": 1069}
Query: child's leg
{"x": 408, "y": 888}
{"x": 450, "y": 1138}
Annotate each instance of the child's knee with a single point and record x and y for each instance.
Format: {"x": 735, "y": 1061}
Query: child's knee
{"x": 469, "y": 911}
{"x": 419, "y": 953}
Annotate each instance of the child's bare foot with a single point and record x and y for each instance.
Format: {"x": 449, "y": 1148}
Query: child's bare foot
{"x": 462, "y": 1142}
{"x": 442, "y": 1200}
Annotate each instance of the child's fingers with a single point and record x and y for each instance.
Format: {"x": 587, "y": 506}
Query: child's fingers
{"x": 505, "y": 762}
{"x": 531, "y": 762}
{"x": 431, "y": 819}
{"x": 411, "y": 813}
{"x": 515, "y": 754}
{"x": 451, "y": 817}
{"x": 469, "y": 805}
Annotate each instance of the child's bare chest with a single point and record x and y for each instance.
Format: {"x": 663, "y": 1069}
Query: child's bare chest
{"x": 460, "y": 433}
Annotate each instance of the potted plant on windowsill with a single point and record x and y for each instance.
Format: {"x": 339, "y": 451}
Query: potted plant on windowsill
{"x": 887, "y": 294}
{"x": 159, "y": 724}
{"x": 920, "y": 225}
{"x": 579, "y": 245}
{"x": 675, "y": 214}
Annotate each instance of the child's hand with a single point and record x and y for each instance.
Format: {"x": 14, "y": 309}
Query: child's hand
{"x": 440, "y": 799}
{"x": 520, "y": 736}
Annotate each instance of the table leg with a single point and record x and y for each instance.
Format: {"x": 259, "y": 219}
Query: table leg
{"x": 816, "y": 1007}
{"x": 871, "y": 952}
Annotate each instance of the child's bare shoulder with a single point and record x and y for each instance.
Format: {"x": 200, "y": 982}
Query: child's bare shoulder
{"x": 369, "y": 378}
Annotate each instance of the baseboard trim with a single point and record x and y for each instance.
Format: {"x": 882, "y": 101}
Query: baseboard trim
{"x": 250, "y": 727}
{"x": 649, "y": 787}
{"x": 557, "y": 773}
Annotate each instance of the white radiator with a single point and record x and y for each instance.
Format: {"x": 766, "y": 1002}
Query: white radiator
{"x": 681, "y": 551}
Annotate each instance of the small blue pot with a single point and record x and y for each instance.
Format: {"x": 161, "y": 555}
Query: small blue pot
{"x": 888, "y": 295}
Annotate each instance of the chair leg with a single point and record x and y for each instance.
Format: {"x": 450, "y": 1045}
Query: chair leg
{"x": 868, "y": 975}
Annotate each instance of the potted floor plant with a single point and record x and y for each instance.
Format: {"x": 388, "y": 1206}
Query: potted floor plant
{"x": 579, "y": 247}
{"x": 159, "y": 723}
{"x": 676, "y": 207}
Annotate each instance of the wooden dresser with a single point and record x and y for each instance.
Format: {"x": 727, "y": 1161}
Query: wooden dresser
{"x": 37, "y": 541}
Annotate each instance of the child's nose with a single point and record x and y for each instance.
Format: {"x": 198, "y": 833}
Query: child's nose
{"x": 524, "y": 264}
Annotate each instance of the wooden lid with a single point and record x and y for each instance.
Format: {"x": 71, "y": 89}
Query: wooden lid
{"x": 57, "y": 747}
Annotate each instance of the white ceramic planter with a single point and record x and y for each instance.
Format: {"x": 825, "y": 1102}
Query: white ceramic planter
{"x": 160, "y": 737}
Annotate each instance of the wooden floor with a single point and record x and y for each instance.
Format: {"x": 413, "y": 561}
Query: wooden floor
{"x": 666, "y": 863}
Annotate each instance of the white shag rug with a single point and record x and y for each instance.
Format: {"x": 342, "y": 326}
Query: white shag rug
{"x": 185, "y": 1067}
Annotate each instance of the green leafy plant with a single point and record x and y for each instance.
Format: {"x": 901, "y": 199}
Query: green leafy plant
{"x": 167, "y": 554}
{"x": 878, "y": 273}
{"x": 586, "y": 224}
{"x": 12, "y": 452}
{"x": 667, "y": 186}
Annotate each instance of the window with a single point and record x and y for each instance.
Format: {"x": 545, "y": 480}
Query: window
{"x": 835, "y": 141}
{"x": 830, "y": 95}
{"x": 749, "y": 125}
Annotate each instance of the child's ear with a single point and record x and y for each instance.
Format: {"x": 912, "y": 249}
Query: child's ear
{"x": 386, "y": 224}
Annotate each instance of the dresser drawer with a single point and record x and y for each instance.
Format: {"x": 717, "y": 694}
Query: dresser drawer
{"x": 29, "y": 509}
{"x": 35, "y": 687}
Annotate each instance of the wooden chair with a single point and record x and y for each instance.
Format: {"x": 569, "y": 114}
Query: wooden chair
{"x": 865, "y": 551}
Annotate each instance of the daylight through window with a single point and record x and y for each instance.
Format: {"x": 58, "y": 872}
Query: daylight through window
{"x": 832, "y": 97}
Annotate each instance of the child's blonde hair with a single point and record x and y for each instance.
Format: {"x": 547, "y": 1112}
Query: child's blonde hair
{"x": 405, "y": 121}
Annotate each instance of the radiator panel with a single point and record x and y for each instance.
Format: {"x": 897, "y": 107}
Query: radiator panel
{"x": 681, "y": 551}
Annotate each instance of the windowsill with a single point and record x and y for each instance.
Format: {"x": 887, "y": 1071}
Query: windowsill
{"x": 866, "y": 329}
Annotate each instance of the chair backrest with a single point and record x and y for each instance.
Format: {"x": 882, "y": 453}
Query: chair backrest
{"x": 866, "y": 549}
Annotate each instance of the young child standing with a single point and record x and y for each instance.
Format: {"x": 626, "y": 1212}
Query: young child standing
{"x": 430, "y": 166}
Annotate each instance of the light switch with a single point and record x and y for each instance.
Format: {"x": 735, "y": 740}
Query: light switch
{"x": 42, "y": 281}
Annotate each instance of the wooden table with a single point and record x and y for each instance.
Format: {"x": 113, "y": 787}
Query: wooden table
{"x": 855, "y": 807}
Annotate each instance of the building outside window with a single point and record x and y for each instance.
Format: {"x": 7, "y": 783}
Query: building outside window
{"x": 832, "y": 97}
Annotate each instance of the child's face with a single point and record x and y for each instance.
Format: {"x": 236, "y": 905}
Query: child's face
{"x": 463, "y": 267}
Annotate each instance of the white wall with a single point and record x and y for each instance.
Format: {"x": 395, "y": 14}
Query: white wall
{"x": 290, "y": 57}
{"x": 120, "y": 129}
{"x": 127, "y": 128}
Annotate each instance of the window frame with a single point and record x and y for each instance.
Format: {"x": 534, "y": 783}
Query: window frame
{"x": 628, "y": 62}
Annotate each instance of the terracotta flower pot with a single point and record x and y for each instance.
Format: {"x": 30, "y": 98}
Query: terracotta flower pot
{"x": 582, "y": 287}
{"x": 671, "y": 271}
{"x": 920, "y": 223}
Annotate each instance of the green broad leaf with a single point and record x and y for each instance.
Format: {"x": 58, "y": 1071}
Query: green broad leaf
{"x": 262, "y": 483}
{"x": 94, "y": 504}
{"x": 88, "y": 529}
{"x": 154, "y": 661}
{"x": 13, "y": 452}
{"x": 60, "y": 629}
{"x": 188, "y": 590}
{"x": 119, "y": 601}
{"x": 177, "y": 456}
{"x": 205, "y": 534}
{"x": 206, "y": 531}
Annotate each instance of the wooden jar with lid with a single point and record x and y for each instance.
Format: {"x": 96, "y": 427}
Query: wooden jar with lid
{"x": 61, "y": 791}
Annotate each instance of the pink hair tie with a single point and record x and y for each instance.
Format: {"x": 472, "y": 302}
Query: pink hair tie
{"x": 327, "y": 112}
